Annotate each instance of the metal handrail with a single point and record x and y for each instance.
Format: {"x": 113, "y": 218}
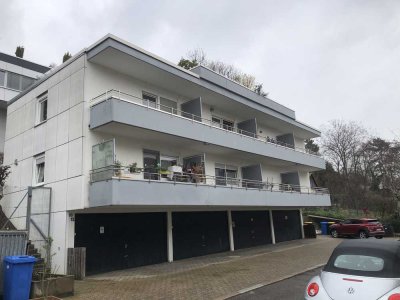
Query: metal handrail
{"x": 122, "y": 172}
{"x": 195, "y": 118}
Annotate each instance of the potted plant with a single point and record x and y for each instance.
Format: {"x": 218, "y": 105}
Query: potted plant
{"x": 133, "y": 168}
{"x": 117, "y": 168}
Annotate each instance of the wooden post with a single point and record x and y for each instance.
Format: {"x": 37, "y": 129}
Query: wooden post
{"x": 76, "y": 262}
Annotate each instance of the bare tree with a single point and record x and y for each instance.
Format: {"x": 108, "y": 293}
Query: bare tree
{"x": 341, "y": 142}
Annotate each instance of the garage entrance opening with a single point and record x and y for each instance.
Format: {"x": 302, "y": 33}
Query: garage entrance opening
{"x": 121, "y": 241}
{"x": 199, "y": 233}
{"x": 251, "y": 228}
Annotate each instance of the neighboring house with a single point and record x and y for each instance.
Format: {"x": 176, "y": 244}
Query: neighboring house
{"x": 149, "y": 162}
{"x": 16, "y": 75}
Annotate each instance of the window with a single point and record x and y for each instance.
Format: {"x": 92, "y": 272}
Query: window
{"x": 167, "y": 161}
{"x": 13, "y": 81}
{"x": 26, "y": 82}
{"x": 2, "y": 78}
{"x": 168, "y": 106}
{"x": 42, "y": 109}
{"x": 359, "y": 263}
{"x": 149, "y": 100}
{"x": 151, "y": 164}
{"x": 226, "y": 175}
{"x": 39, "y": 169}
{"x": 225, "y": 124}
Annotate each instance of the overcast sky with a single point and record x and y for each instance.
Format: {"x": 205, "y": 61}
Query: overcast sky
{"x": 325, "y": 59}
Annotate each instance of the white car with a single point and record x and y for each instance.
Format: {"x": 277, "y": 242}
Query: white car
{"x": 359, "y": 270}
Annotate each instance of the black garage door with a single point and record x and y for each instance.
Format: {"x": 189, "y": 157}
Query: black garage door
{"x": 251, "y": 228}
{"x": 199, "y": 233}
{"x": 120, "y": 241}
{"x": 286, "y": 225}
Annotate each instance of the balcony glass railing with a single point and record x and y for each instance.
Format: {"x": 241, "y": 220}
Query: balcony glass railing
{"x": 126, "y": 173}
{"x": 194, "y": 118}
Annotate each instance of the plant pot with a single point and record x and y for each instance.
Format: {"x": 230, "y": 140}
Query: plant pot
{"x": 57, "y": 285}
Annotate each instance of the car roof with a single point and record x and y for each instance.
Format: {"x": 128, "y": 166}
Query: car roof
{"x": 389, "y": 250}
{"x": 372, "y": 244}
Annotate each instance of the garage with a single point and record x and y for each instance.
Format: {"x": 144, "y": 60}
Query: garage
{"x": 120, "y": 241}
{"x": 287, "y": 225}
{"x": 251, "y": 228}
{"x": 199, "y": 233}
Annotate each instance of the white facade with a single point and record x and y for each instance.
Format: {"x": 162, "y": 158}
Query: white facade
{"x": 65, "y": 140}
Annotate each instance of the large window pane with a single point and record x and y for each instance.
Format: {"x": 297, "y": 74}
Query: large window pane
{"x": 26, "y": 82}
{"x": 168, "y": 105}
{"x": 2, "y": 78}
{"x": 150, "y": 100}
{"x": 13, "y": 81}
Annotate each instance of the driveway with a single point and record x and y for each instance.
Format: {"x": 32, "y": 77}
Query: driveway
{"x": 217, "y": 276}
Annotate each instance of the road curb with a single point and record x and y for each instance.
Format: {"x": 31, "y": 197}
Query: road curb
{"x": 262, "y": 284}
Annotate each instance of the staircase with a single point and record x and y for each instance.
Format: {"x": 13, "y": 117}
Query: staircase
{"x": 40, "y": 265}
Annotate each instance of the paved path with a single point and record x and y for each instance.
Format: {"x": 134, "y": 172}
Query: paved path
{"x": 216, "y": 276}
{"x": 289, "y": 289}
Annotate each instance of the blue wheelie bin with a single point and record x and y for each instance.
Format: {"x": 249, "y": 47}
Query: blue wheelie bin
{"x": 324, "y": 228}
{"x": 17, "y": 277}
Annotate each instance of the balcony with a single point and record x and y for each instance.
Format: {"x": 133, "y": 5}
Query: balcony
{"x": 118, "y": 107}
{"x": 119, "y": 186}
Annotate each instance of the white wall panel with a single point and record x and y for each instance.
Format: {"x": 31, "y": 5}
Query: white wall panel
{"x": 62, "y": 128}
{"x": 51, "y": 133}
{"x": 50, "y": 170}
{"x": 75, "y": 121}
{"x": 64, "y": 95}
{"x": 39, "y": 139}
{"x": 75, "y": 158}
{"x": 59, "y": 196}
{"x": 52, "y": 102}
{"x": 75, "y": 193}
{"x": 62, "y": 162}
{"x": 27, "y": 148}
{"x": 76, "y": 93}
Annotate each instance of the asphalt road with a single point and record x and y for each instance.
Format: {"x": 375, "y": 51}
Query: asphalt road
{"x": 289, "y": 289}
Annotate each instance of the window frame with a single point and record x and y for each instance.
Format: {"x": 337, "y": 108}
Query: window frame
{"x": 227, "y": 180}
{"x": 40, "y": 100}
{"x": 41, "y": 156}
{"x": 221, "y": 121}
{"x": 146, "y": 102}
{"x": 4, "y": 78}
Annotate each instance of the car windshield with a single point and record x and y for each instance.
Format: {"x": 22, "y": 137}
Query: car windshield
{"x": 359, "y": 263}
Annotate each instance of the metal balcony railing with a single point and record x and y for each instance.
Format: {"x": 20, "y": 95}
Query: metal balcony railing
{"x": 125, "y": 173}
{"x": 194, "y": 118}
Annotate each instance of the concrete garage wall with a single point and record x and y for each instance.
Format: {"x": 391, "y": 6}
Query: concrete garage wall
{"x": 144, "y": 193}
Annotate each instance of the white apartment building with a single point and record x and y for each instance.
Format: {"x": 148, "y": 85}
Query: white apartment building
{"x": 148, "y": 162}
{"x": 16, "y": 75}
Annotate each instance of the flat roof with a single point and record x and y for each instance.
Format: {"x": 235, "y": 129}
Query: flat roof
{"x": 23, "y": 63}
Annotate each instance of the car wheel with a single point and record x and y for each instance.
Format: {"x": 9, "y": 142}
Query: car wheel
{"x": 334, "y": 233}
{"x": 379, "y": 237}
{"x": 363, "y": 234}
